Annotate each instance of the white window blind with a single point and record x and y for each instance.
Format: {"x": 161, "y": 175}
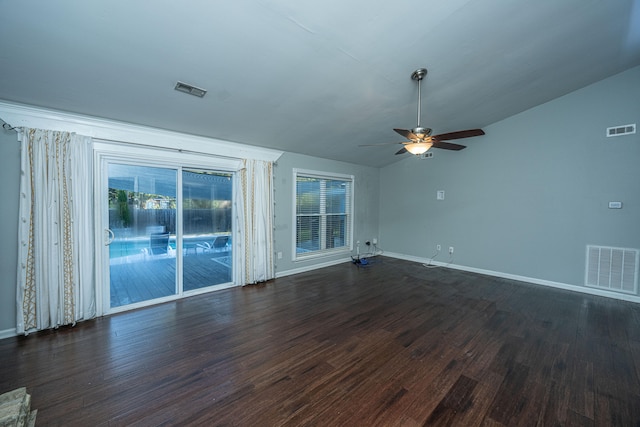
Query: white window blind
{"x": 323, "y": 213}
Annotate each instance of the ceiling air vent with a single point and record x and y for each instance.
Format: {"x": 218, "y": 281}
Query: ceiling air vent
{"x": 191, "y": 90}
{"x": 621, "y": 130}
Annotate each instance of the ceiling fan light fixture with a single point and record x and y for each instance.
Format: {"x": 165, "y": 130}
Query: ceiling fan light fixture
{"x": 418, "y": 148}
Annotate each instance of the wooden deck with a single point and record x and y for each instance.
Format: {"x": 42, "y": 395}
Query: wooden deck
{"x": 148, "y": 278}
{"x": 388, "y": 344}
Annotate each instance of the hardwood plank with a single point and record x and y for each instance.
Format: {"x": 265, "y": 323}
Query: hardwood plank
{"x": 582, "y": 389}
{"x": 512, "y": 396}
{"x": 455, "y": 403}
{"x": 388, "y": 345}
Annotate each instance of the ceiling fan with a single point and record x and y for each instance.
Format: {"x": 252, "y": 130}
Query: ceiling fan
{"x": 420, "y": 139}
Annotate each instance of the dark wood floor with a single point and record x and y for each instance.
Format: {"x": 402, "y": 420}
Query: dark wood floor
{"x": 389, "y": 344}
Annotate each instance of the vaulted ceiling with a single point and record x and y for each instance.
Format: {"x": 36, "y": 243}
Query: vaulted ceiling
{"x": 311, "y": 77}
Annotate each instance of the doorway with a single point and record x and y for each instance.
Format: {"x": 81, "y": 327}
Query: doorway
{"x": 168, "y": 232}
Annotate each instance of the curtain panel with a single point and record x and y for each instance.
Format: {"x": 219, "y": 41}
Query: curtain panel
{"x": 55, "y": 283}
{"x": 255, "y": 222}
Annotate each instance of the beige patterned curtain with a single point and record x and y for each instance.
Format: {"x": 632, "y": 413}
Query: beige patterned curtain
{"x": 255, "y": 222}
{"x": 55, "y": 253}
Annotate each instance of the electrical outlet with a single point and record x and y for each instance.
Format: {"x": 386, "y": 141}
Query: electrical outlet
{"x": 438, "y": 248}
{"x": 375, "y": 241}
{"x": 450, "y": 250}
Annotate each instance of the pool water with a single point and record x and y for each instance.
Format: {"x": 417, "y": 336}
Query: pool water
{"x": 120, "y": 248}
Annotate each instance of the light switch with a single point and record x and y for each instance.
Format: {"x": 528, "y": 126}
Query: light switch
{"x": 440, "y": 195}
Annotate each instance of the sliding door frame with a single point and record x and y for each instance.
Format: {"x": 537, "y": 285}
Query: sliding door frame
{"x": 106, "y": 152}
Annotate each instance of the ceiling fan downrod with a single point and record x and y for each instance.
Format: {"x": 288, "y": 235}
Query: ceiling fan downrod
{"x": 419, "y": 131}
{"x": 419, "y": 75}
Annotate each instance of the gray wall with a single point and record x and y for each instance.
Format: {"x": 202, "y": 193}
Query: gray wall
{"x": 10, "y": 182}
{"x": 366, "y": 204}
{"x": 526, "y": 198}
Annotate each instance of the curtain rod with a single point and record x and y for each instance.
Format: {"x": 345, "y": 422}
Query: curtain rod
{"x": 7, "y": 126}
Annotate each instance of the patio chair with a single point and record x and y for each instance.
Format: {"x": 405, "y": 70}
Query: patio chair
{"x": 159, "y": 243}
{"x": 219, "y": 245}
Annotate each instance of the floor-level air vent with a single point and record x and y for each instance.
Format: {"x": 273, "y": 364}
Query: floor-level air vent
{"x": 191, "y": 90}
{"x": 613, "y": 269}
{"x": 621, "y": 130}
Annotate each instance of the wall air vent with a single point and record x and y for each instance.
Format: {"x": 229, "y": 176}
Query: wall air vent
{"x": 613, "y": 269}
{"x": 621, "y": 130}
{"x": 191, "y": 90}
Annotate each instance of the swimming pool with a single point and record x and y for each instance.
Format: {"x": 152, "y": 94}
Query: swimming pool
{"x": 134, "y": 246}
{"x": 128, "y": 246}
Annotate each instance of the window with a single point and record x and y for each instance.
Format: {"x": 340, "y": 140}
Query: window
{"x": 323, "y": 213}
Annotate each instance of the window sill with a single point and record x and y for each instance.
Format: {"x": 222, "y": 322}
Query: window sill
{"x": 323, "y": 254}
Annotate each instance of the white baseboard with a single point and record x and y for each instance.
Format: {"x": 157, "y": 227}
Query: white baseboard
{"x": 532, "y": 280}
{"x": 311, "y": 267}
{"x": 8, "y": 333}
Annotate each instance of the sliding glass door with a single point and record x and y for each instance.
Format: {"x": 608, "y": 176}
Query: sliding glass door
{"x": 142, "y": 220}
{"x": 207, "y": 223}
{"x": 169, "y": 232}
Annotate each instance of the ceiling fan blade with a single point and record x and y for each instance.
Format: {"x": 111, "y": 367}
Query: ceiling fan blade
{"x": 448, "y": 146}
{"x": 401, "y": 151}
{"x": 406, "y": 133}
{"x": 457, "y": 135}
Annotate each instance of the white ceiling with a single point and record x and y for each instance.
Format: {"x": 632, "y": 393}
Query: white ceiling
{"x": 312, "y": 77}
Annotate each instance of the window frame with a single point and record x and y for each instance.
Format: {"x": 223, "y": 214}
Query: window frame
{"x": 323, "y": 252}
